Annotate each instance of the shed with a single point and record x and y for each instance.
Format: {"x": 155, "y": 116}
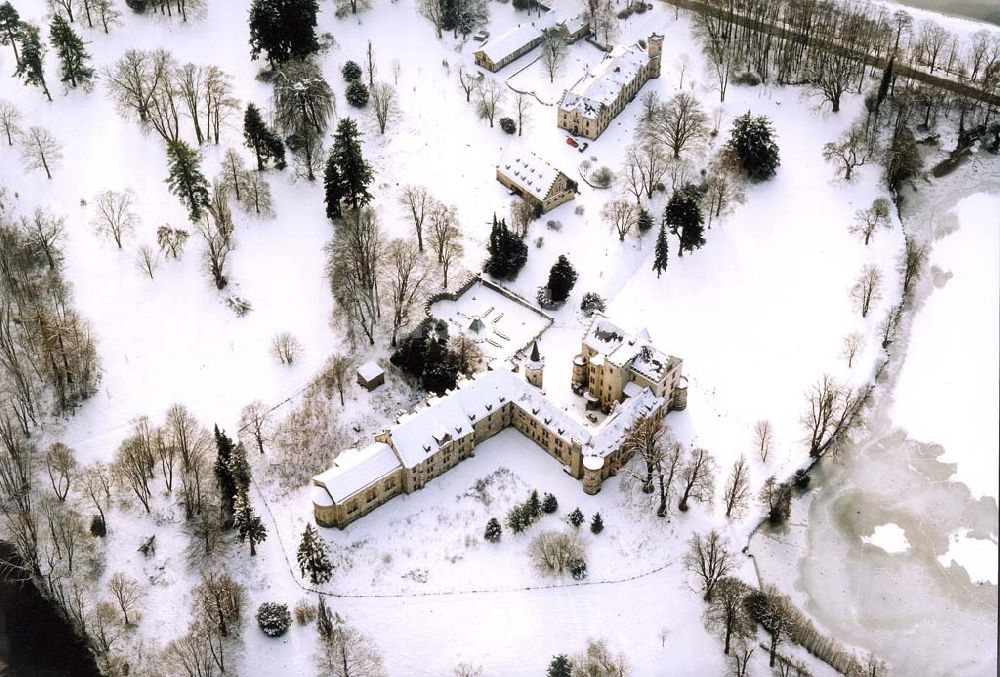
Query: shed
{"x": 370, "y": 375}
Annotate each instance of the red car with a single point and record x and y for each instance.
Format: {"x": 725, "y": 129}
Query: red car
{"x": 571, "y": 141}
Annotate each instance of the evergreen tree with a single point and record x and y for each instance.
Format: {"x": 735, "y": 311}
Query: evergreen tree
{"x": 576, "y": 518}
{"x": 883, "y": 86}
{"x": 223, "y": 476}
{"x": 324, "y": 621}
{"x": 597, "y": 523}
{"x": 644, "y": 222}
{"x": 31, "y": 66}
{"x": 333, "y": 189}
{"x": 562, "y": 277}
{"x": 313, "y": 557}
{"x": 440, "y": 368}
{"x": 683, "y": 216}
{"x": 285, "y": 29}
{"x": 355, "y": 173}
{"x": 10, "y": 28}
{"x": 752, "y": 140}
{"x": 357, "y": 94}
{"x": 493, "y": 530}
{"x": 351, "y": 71}
{"x": 137, "y": 6}
{"x": 560, "y": 667}
{"x": 265, "y": 144}
{"x": 549, "y": 504}
{"x": 517, "y": 520}
{"x": 239, "y": 468}
{"x": 72, "y": 56}
{"x": 507, "y": 252}
{"x": 186, "y": 180}
{"x": 247, "y": 522}
{"x": 533, "y": 506}
{"x": 660, "y": 257}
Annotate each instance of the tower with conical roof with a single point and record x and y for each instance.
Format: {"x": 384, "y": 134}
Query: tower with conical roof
{"x": 534, "y": 367}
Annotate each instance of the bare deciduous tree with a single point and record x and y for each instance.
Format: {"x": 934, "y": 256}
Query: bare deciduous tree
{"x": 343, "y": 651}
{"x": 285, "y": 347}
{"x": 127, "y": 594}
{"x": 726, "y": 613}
{"x": 383, "y": 104}
{"x": 853, "y": 150}
{"x": 522, "y": 104}
{"x": 831, "y": 74}
{"x": 736, "y": 494}
{"x": 60, "y": 466}
{"x": 114, "y": 217}
{"x": 418, "y": 202}
{"x": 698, "y": 478}
{"x": 852, "y": 344}
{"x": 554, "y": 51}
{"x": 867, "y": 289}
{"x": 762, "y": 438}
{"x": 554, "y": 552}
{"x": 831, "y": 408}
{"x": 132, "y": 468}
{"x": 465, "y": 79}
{"x": 39, "y": 149}
{"x": 107, "y": 13}
{"x": 621, "y": 215}
{"x": 724, "y": 186}
{"x": 104, "y": 627}
{"x": 660, "y": 458}
{"x": 171, "y": 241}
{"x": 355, "y": 257}
{"x": 10, "y": 116}
{"x": 489, "y": 93}
{"x": 406, "y": 276}
{"x": 598, "y": 659}
{"x": 645, "y": 164}
{"x": 680, "y": 124}
{"x": 773, "y": 611}
{"x": 911, "y": 262}
{"x": 220, "y": 599}
{"x": 867, "y": 221}
{"x": 709, "y": 559}
{"x": 256, "y": 423}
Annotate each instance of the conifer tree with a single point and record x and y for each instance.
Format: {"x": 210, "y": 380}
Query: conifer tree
{"x": 560, "y": 667}
{"x": 533, "y": 506}
{"x": 683, "y": 216}
{"x": 660, "y": 256}
{"x": 507, "y": 252}
{"x": 576, "y": 518}
{"x": 333, "y": 189}
{"x": 549, "y": 504}
{"x": 562, "y": 277}
{"x": 10, "y": 28}
{"x": 239, "y": 468}
{"x": 31, "y": 65}
{"x": 313, "y": 557}
{"x": 73, "y": 58}
{"x": 247, "y": 522}
{"x": 261, "y": 140}
{"x": 597, "y": 523}
{"x": 355, "y": 174}
{"x": 752, "y": 140}
{"x": 223, "y": 475}
{"x": 324, "y": 621}
{"x": 644, "y": 222}
{"x": 186, "y": 180}
{"x": 284, "y": 29}
{"x": 493, "y": 530}
{"x": 351, "y": 71}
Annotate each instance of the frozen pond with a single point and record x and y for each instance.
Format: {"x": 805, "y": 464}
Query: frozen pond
{"x": 890, "y": 537}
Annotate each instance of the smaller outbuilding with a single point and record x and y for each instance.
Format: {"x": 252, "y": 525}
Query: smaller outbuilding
{"x": 370, "y": 375}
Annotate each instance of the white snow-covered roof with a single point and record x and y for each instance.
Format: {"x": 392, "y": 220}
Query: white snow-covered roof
{"x": 505, "y": 44}
{"x": 603, "y": 335}
{"x": 612, "y": 432}
{"x": 605, "y": 81}
{"x": 528, "y": 170}
{"x": 575, "y": 23}
{"x": 370, "y": 370}
{"x": 356, "y": 469}
{"x": 622, "y": 348}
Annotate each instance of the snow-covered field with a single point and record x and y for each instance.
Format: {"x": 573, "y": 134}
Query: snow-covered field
{"x": 758, "y": 315}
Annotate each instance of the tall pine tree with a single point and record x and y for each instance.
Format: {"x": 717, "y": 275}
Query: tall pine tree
{"x": 285, "y": 29}
{"x": 31, "y": 66}
{"x": 239, "y": 468}
{"x": 683, "y": 216}
{"x": 10, "y": 28}
{"x": 265, "y": 144}
{"x": 249, "y": 527}
{"x": 507, "y": 252}
{"x": 223, "y": 475}
{"x": 660, "y": 256}
{"x": 355, "y": 174}
{"x": 562, "y": 277}
{"x": 73, "y": 58}
{"x": 333, "y": 188}
{"x": 752, "y": 140}
{"x": 313, "y": 557}
{"x": 186, "y": 180}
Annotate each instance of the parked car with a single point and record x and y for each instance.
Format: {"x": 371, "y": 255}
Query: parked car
{"x": 571, "y": 141}
{"x": 584, "y": 146}
{"x": 481, "y": 36}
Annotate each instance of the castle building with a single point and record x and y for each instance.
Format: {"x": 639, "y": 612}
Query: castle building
{"x": 589, "y": 107}
{"x": 425, "y": 443}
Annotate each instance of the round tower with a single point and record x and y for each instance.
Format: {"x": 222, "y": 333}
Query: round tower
{"x": 592, "y": 467}
{"x": 534, "y": 367}
{"x": 655, "y": 50}
{"x": 679, "y": 400}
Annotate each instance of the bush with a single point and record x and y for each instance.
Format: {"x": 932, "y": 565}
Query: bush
{"x": 274, "y": 619}
{"x": 556, "y": 553}
{"x": 98, "y": 529}
{"x": 578, "y": 569}
{"x": 517, "y": 520}
{"x": 603, "y": 177}
{"x": 137, "y": 6}
{"x": 596, "y": 524}
{"x": 304, "y": 612}
{"x": 351, "y": 71}
{"x": 539, "y": 242}
{"x": 493, "y": 530}
{"x": 549, "y": 504}
{"x": 625, "y": 13}
{"x": 552, "y": 224}
{"x": 578, "y": 210}
{"x": 645, "y": 221}
{"x": 357, "y": 94}
{"x": 749, "y": 79}
{"x": 801, "y": 479}
{"x": 576, "y": 518}
{"x": 508, "y": 125}
{"x": 592, "y": 303}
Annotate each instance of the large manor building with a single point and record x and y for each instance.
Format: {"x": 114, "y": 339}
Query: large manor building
{"x": 540, "y": 184}
{"x": 623, "y": 374}
{"x": 589, "y": 107}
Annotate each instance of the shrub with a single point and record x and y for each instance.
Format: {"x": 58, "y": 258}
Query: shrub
{"x": 625, "y": 13}
{"x": 274, "y": 619}
{"x": 517, "y": 520}
{"x": 98, "y": 529}
{"x": 555, "y": 553}
{"x": 304, "y": 612}
{"x": 578, "y": 569}
{"x": 357, "y": 94}
{"x": 749, "y": 79}
{"x": 645, "y": 221}
{"x": 533, "y": 506}
{"x": 596, "y": 524}
{"x": 578, "y": 210}
{"x": 801, "y": 479}
{"x": 552, "y": 224}
{"x": 549, "y": 504}
{"x": 508, "y": 125}
{"x": 351, "y": 71}
{"x": 493, "y": 530}
{"x": 576, "y": 518}
{"x": 539, "y": 242}
{"x": 592, "y": 303}
{"x": 603, "y": 177}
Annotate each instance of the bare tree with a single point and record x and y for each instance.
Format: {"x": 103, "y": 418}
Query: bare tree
{"x": 171, "y": 241}
{"x": 220, "y": 600}
{"x": 762, "y": 438}
{"x": 554, "y": 552}
{"x": 726, "y": 613}
{"x": 698, "y": 478}
{"x": 337, "y": 372}
{"x": 344, "y": 652}
{"x": 852, "y": 344}
{"x": 867, "y": 221}
{"x": 740, "y": 660}
{"x": 449, "y": 251}
{"x": 709, "y": 559}
{"x": 911, "y": 262}
{"x": 220, "y": 103}
{"x": 831, "y": 408}
{"x": 468, "y": 354}
{"x": 522, "y": 103}
{"x": 132, "y": 468}
{"x": 10, "y": 116}
{"x": 661, "y": 459}
{"x": 107, "y": 13}
{"x": 218, "y": 234}
{"x": 397, "y": 68}
{"x": 60, "y": 466}
{"x": 185, "y": 433}
{"x": 192, "y": 651}
{"x": 718, "y": 47}
{"x": 683, "y": 63}
{"x": 255, "y": 422}
{"x": 406, "y": 276}
{"x": 234, "y": 173}
{"x": 127, "y": 594}
{"x": 44, "y": 231}
{"x": 645, "y": 164}
{"x": 773, "y": 611}
{"x": 134, "y": 79}
{"x": 776, "y": 497}
{"x": 114, "y": 217}
{"x": 95, "y": 481}
{"x": 931, "y": 41}
{"x": 621, "y": 215}
{"x": 554, "y": 51}
{"x": 431, "y": 9}
{"x": 189, "y": 82}
{"x": 103, "y": 626}
{"x": 831, "y": 74}
{"x": 40, "y": 150}
{"x": 522, "y": 213}
{"x": 418, "y": 201}
{"x": 166, "y": 452}
{"x": 598, "y": 660}
{"x": 256, "y": 194}
{"x": 853, "y": 150}
{"x": 465, "y": 79}
{"x": 384, "y": 106}
{"x": 285, "y": 347}
{"x": 867, "y": 289}
{"x": 736, "y": 494}
{"x": 490, "y": 93}
{"x": 724, "y": 186}
{"x": 680, "y": 124}
{"x": 355, "y": 257}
